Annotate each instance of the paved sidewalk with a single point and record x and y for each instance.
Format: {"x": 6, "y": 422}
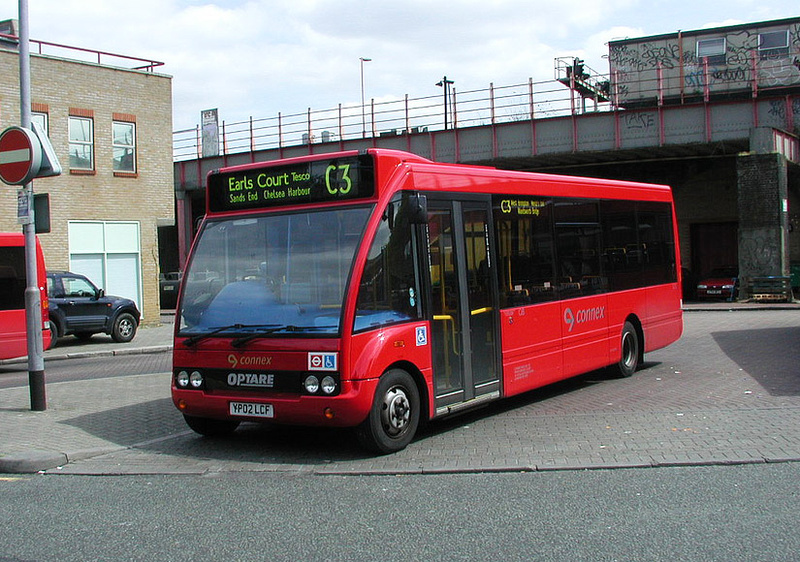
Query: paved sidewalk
{"x": 33, "y": 441}
{"x": 732, "y": 408}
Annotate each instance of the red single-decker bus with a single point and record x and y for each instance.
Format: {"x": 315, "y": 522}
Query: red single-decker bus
{"x": 378, "y": 290}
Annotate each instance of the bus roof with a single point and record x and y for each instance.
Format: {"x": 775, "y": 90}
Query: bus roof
{"x": 11, "y": 239}
{"x": 450, "y": 177}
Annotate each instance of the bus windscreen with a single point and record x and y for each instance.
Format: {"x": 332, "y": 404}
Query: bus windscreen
{"x": 328, "y": 181}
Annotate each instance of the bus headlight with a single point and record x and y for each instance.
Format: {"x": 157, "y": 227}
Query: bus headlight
{"x": 182, "y": 379}
{"x": 328, "y": 385}
{"x": 196, "y": 379}
{"x": 311, "y": 384}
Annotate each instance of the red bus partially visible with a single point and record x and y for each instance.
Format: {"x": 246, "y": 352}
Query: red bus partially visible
{"x": 378, "y": 290}
{"x": 13, "y": 331}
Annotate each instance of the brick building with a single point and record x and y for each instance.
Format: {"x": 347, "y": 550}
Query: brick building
{"x": 109, "y": 119}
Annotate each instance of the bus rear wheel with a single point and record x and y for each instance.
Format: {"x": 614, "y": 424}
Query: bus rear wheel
{"x": 211, "y": 428}
{"x": 394, "y": 416}
{"x": 629, "y": 345}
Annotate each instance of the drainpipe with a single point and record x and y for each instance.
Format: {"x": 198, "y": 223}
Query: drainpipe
{"x": 680, "y": 61}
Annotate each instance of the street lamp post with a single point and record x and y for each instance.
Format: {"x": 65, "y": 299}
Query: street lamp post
{"x": 445, "y": 84}
{"x": 363, "y": 116}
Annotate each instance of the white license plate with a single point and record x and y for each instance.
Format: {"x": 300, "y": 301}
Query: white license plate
{"x": 251, "y": 409}
{"x": 714, "y": 291}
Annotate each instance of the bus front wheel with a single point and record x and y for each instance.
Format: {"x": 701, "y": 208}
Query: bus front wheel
{"x": 209, "y": 427}
{"x": 629, "y": 345}
{"x": 394, "y": 416}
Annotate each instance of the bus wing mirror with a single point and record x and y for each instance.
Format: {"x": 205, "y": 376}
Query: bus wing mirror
{"x": 412, "y": 210}
{"x": 418, "y": 209}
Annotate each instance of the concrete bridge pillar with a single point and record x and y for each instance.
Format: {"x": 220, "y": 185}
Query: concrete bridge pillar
{"x": 763, "y": 217}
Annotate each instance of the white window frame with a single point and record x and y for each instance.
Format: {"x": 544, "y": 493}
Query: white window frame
{"x": 82, "y": 143}
{"x": 42, "y": 119}
{"x": 773, "y": 50}
{"x": 121, "y": 147}
{"x": 714, "y": 49}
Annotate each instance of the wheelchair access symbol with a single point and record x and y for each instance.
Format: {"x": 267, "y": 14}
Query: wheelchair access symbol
{"x": 422, "y": 336}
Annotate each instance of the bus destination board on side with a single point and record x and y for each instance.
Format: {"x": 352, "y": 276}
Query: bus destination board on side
{"x": 317, "y": 181}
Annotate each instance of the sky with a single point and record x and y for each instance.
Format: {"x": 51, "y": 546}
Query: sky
{"x": 255, "y": 58}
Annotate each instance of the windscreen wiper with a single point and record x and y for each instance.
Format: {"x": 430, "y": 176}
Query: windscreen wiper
{"x": 239, "y": 342}
{"x": 189, "y": 342}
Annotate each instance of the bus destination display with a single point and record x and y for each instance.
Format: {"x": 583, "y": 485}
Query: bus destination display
{"x": 309, "y": 182}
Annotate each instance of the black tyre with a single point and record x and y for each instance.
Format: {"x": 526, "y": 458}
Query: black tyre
{"x": 211, "y": 428}
{"x": 124, "y": 328}
{"x": 629, "y": 345}
{"x": 394, "y": 416}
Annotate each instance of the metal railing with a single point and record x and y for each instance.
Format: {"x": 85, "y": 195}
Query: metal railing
{"x": 489, "y": 106}
{"x": 81, "y": 54}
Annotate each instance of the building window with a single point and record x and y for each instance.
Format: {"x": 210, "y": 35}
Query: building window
{"x": 773, "y": 44}
{"x": 711, "y": 49}
{"x": 109, "y": 253}
{"x": 41, "y": 120}
{"x": 124, "y": 145}
{"x": 81, "y": 143}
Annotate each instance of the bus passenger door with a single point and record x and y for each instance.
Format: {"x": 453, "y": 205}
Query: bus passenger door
{"x": 463, "y": 297}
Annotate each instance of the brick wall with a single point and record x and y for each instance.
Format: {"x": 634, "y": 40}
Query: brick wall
{"x": 63, "y": 87}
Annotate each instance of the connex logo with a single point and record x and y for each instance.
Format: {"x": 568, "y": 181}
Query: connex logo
{"x": 248, "y": 361}
{"x": 583, "y": 315}
{"x": 569, "y": 318}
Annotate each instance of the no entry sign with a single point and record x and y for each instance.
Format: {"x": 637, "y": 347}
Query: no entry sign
{"x": 20, "y": 155}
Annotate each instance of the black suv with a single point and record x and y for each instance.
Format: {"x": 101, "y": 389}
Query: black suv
{"x": 78, "y": 307}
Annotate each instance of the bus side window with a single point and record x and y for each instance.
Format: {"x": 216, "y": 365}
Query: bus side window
{"x": 8, "y": 282}
{"x": 578, "y": 248}
{"x": 657, "y": 242}
{"x": 12, "y": 278}
{"x": 526, "y": 251}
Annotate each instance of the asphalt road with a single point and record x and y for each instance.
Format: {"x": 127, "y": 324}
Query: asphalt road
{"x": 725, "y": 513}
{"x": 86, "y": 368}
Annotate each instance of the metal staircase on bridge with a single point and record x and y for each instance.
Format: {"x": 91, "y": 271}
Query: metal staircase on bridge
{"x": 575, "y": 75}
